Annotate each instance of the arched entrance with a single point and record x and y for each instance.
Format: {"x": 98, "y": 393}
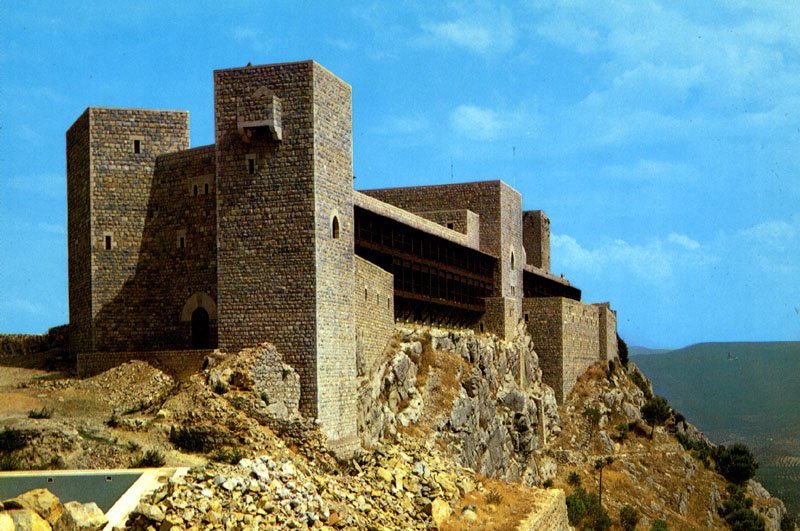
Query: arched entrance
{"x": 200, "y": 315}
{"x": 201, "y": 328}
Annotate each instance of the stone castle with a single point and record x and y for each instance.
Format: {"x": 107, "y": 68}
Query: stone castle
{"x": 175, "y": 251}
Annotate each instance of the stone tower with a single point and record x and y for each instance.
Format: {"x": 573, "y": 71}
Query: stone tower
{"x": 111, "y": 159}
{"x": 536, "y": 238}
{"x": 285, "y": 228}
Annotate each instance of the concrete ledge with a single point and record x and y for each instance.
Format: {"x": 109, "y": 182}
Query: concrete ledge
{"x": 150, "y": 480}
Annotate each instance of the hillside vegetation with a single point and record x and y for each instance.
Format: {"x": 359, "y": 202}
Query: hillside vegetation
{"x": 740, "y": 392}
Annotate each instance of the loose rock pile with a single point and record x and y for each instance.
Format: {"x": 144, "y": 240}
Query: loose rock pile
{"x": 403, "y": 486}
{"x": 40, "y": 510}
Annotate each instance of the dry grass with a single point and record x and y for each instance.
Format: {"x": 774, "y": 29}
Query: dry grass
{"x": 516, "y": 501}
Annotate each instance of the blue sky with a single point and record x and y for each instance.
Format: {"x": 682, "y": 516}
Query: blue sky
{"x": 662, "y": 138}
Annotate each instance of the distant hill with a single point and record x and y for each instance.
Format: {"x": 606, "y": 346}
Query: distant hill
{"x": 740, "y": 392}
{"x": 645, "y": 351}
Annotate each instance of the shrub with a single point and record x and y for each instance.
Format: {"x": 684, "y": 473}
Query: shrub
{"x": 231, "y": 456}
{"x": 493, "y": 497}
{"x": 220, "y": 388}
{"x": 628, "y": 518}
{"x": 655, "y": 411}
{"x": 192, "y": 439}
{"x": 637, "y": 379}
{"x": 577, "y": 506}
{"x": 574, "y": 479}
{"x": 787, "y": 523}
{"x": 584, "y": 507}
{"x": 622, "y": 349}
{"x": 592, "y": 416}
{"x": 133, "y": 446}
{"x": 43, "y": 413}
{"x": 659, "y": 525}
{"x": 548, "y": 483}
{"x": 623, "y": 429}
{"x": 737, "y": 512}
{"x": 149, "y": 459}
{"x": 736, "y": 464}
{"x": 12, "y": 439}
{"x": 10, "y": 462}
{"x": 698, "y": 449}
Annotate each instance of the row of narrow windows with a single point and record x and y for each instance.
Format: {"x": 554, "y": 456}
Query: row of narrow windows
{"x": 378, "y": 298}
{"x": 108, "y": 240}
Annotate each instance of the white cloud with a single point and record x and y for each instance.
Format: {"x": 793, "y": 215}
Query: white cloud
{"x": 647, "y": 262}
{"x": 776, "y": 235}
{"x": 483, "y": 32}
{"x": 253, "y": 38}
{"x": 404, "y": 125}
{"x": 683, "y": 241}
{"x": 475, "y": 122}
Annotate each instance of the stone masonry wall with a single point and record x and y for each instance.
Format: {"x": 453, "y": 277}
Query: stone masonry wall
{"x": 285, "y": 274}
{"x": 546, "y": 327}
{"x": 266, "y": 222}
{"x": 121, "y": 181}
{"x": 463, "y": 221}
{"x": 177, "y": 259}
{"x": 374, "y": 313}
{"x": 536, "y": 238}
{"x": 566, "y": 335}
{"x": 334, "y": 260}
{"x": 608, "y": 332}
{"x": 500, "y": 209}
{"x": 79, "y": 235}
{"x": 581, "y": 340}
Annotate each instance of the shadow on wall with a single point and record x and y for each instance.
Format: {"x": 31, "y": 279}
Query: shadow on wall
{"x": 169, "y": 301}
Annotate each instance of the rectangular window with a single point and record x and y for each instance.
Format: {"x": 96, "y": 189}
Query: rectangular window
{"x": 450, "y": 225}
{"x": 137, "y": 146}
{"x": 251, "y": 164}
{"x": 108, "y": 242}
{"x": 205, "y": 188}
{"x": 182, "y": 242}
{"x": 195, "y": 190}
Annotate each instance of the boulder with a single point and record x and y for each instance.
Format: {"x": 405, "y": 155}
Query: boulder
{"x": 41, "y": 501}
{"x": 24, "y": 520}
{"x": 82, "y": 516}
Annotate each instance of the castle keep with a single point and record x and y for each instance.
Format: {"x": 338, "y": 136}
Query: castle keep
{"x": 260, "y": 237}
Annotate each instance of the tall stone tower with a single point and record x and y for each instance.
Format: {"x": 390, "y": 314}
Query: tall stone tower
{"x": 536, "y": 238}
{"x": 111, "y": 159}
{"x": 285, "y": 228}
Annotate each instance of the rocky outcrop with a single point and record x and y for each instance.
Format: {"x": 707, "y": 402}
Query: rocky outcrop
{"x": 477, "y": 395}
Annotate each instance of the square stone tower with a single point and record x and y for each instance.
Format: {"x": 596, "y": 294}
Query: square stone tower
{"x": 285, "y": 228}
{"x": 111, "y": 159}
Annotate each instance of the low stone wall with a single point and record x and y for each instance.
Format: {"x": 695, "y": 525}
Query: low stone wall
{"x": 24, "y": 347}
{"x": 178, "y": 363}
{"x": 549, "y": 513}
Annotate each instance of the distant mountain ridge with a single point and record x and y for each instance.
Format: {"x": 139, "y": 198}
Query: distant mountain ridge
{"x": 646, "y": 351}
{"x": 740, "y": 392}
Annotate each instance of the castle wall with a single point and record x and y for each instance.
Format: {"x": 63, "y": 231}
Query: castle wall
{"x": 335, "y": 259}
{"x": 285, "y": 274}
{"x": 566, "y": 335}
{"x": 463, "y": 221}
{"x": 123, "y": 145}
{"x": 500, "y": 210}
{"x": 374, "y": 312}
{"x": 581, "y": 340}
{"x": 546, "y": 327}
{"x": 536, "y": 238}
{"x": 609, "y": 349}
{"x": 79, "y": 239}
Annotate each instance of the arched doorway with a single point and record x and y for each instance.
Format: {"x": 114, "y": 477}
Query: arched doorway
{"x": 201, "y": 328}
